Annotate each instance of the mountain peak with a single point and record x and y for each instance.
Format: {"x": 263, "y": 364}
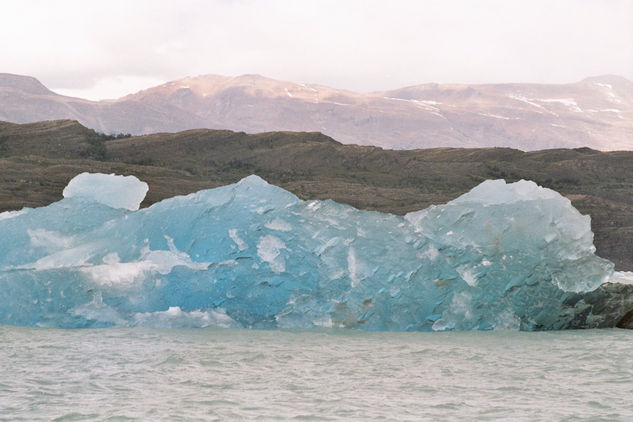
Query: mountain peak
{"x": 26, "y": 84}
{"x": 255, "y": 76}
{"x": 615, "y": 80}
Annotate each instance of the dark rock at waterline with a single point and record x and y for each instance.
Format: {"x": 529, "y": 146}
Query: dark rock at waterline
{"x": 610, "y": 305}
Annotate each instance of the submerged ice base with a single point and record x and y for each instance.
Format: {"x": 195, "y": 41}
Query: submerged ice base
{"x": 254, "y": 255}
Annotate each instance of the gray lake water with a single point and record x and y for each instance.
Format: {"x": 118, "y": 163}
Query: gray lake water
{"x": 227, "y": 374}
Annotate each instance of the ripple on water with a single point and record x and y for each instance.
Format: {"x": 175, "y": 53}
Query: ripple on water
{"x": 213, "y": 374}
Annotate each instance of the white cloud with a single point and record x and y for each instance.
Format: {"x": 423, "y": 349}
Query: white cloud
{"x": 110, "y": 48}
{"x": 110, "y": 87}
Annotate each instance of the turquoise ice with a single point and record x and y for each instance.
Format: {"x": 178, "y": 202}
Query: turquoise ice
{"x": 253, "y": 255}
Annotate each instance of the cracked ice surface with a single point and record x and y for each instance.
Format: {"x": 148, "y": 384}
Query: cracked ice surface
{"x": 253, "y": 255}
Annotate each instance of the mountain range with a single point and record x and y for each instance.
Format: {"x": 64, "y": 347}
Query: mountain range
{"x": 596, "y": 112}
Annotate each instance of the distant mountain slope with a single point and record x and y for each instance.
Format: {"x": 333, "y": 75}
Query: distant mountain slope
{"x": 596, "y": 112}
{"x": 37, "y": 160}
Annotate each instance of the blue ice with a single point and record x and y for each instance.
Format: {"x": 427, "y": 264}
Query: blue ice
{"x": 503, "y": 256}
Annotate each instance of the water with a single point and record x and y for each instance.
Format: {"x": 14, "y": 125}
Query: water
{"x": 122, "y": 374}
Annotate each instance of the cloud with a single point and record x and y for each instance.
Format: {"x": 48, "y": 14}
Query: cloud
{"x": 93, "y": 48}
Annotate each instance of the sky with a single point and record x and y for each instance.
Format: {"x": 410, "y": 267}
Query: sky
{"x": 108, "y": 49}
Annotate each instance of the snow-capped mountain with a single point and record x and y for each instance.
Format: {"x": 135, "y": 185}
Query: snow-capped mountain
{"x": 596, "y": 112}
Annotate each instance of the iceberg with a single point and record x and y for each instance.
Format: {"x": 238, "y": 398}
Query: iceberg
{"x": 109, "y": 189}
{"x": 503, "y": 256}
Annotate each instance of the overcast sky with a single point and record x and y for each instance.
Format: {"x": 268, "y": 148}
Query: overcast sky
{"x": 110, "y": 48}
